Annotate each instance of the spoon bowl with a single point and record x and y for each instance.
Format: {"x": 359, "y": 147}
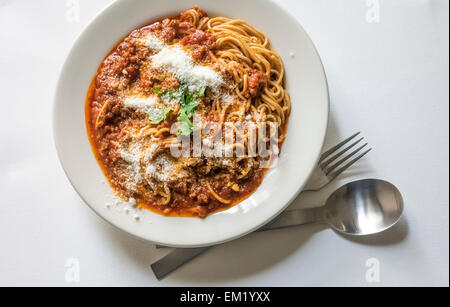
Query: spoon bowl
{"x": 364, "y": 207}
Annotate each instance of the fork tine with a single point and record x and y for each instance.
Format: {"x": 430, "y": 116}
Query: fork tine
{"x": 334, "y": 158}
{"x": 327, "y": 153}
{"x": 329, "y": 169}
{"x": 345, "y": 167}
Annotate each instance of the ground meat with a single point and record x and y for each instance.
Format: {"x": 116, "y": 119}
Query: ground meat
{"x": 148, "y": 80}
{"x": 200, "y": 53}
{"x": 114, "y": 65}
{"x": 146, "y": 85}
{"x": 168, "y": 34}
{"x": 203, "y": 198}
{"x": 199, "y": 38}
{"x": 200, "y": 192}
{"x": 179, "y": 187}
{"x": 131, "y": 72}
{"x": 256, "y": 82}
{"x": 184, "y": 27}
{"x": 142, "y": 53}
{"x": 170, "y": 82}
{"x": 116, "y": 73}
{"x": 151, "y": 28}
{"x": 212, "y": 116}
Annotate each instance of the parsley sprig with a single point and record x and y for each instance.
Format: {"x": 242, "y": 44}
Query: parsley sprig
{"x": 162, "y": 117}
{"x": 185, "y": 127}
{"x": 189, "y": 104}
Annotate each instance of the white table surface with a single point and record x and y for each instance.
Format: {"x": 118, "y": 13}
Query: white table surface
{"x": 388, "y": 79}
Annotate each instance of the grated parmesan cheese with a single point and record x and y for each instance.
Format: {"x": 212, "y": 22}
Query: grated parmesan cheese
{"x": 132, "y": 155}
{"x": 153, "y": 43}
{"x": 176, "y": 61}
{"x": 118, "y": 202}
{"x": 164, "y": 169}
{"x": 149, "y": 153}
{"x": 161, "y": 169}
{"x": 149, "y": 105}
{"x": 127, "y": 207}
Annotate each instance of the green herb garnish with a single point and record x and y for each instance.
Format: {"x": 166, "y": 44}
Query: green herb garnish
{"x": 170, "y": 93}
{"x": 162, "y": 117}
{"x": 201, "y": 93}
{"x": 188, "y": 103}
{"x": 185, "y": 126}
{"x": 157, "y": 90}
{"x": 190, "y": 107}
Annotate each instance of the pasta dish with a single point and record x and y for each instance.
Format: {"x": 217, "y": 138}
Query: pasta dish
{"x": 186, "y": 115}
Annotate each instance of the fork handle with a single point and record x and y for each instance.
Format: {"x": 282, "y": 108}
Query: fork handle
{"x": 180, "y": 256}
{"x": 295, "y": 217}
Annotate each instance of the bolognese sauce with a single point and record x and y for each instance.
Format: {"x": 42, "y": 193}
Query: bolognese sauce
{"x": 146, "y": 93}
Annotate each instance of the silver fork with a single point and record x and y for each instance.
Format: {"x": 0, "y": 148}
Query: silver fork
{"x": 325, "y": 172}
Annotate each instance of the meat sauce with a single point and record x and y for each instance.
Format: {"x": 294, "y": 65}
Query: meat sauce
{"x": 107, "y": 121}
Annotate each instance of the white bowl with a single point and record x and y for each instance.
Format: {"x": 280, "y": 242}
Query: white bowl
{"x": 306, "y": 83}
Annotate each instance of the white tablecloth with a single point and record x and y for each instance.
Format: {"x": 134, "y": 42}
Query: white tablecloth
{"x": 388, "y": 77}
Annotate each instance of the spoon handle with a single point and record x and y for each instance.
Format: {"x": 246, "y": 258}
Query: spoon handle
{"x": 295, "y": 217}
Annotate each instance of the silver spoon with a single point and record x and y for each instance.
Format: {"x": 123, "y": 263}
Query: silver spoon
{"x": 359, "y": 208}
{"x": 363, "y": 207}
